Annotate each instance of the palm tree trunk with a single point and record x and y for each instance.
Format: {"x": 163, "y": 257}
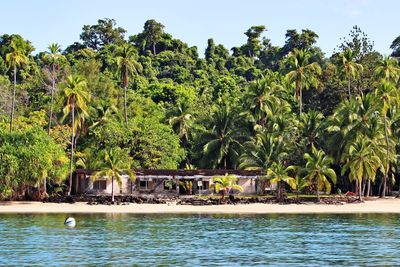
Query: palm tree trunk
{"x": 349, "y": 85}
{"x": 278, "y": 191}
{"x": 364, "y": 184}
{"x": 356, "y": 185}
{"x": 13, "y": 98}
{"x": 72, "y": 147}
{"x": 385, "y": 176}
{"x": 368, "y": 187}
{"x": 112, "y": 188}
{"x": 125, "y": 111}
{"x": 154, "y": 48}
{"x": 52, "y": 99}
{"x": 300, "y": 100}
{"x": 359, "y": 190}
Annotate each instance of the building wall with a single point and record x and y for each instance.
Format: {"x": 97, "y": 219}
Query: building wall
{"x": 124, "y": 189}
{"x": 248, "y": 184}
{"x": 155, "y": 185}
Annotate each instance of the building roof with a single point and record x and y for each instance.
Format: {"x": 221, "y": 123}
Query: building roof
{"x": 186, "y": 173}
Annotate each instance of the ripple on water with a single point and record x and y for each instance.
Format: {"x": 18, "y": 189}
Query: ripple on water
{"x": 201, "y": 240}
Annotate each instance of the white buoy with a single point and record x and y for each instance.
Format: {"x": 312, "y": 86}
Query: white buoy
{"x": 70, "y": 222}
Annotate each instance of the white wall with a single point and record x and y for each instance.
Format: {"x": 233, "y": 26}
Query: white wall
{"x": 125, "y": 187}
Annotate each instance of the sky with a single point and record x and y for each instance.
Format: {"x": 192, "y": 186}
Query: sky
{"x": 46, "y": 21}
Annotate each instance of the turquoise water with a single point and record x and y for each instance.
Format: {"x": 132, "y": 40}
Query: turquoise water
{"x": 201, "y": 240}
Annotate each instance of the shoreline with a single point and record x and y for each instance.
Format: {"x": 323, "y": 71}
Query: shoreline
{"x": 389, "y": 205}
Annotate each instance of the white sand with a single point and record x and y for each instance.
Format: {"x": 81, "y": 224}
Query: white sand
{"x": 389, "y": 205}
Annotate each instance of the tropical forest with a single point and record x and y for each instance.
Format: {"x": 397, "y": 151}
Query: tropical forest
{"x": 309, "y": 121}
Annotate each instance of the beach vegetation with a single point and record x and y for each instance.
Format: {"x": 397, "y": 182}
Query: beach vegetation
{"x": 225, "y": 184}
{"x": 167, "y": 105}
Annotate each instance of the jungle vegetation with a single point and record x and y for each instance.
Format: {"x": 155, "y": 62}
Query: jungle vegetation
{"x": 311, "y": 122}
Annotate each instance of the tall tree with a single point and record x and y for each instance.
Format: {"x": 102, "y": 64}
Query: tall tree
{"x": 263, "y": 97}
{"x": 311, "y": 126}
{"x": 53, "y": 58}
{"x": 350, "y": 119}
{"x": 359, "y": 44}
{"x": 153, "y": 32}
{"x": 349, "y": 67}
{"x": 395, "y": 46}
{"x": 253, "y": 45}
{"x": 15, "y": 57}
{"x": 388, "y": 70}
{"x": 390, "y": 98}
{"x": 181, "y": 120}
{"x": 127, "y": 66}
{"x": 263, "y": 150}
{"x": 222, "y": 138}
{"x": 103, "y": 33}
{"x": 294, "y": 40}
{"x": 361, "y": 161}
{"x": 210, "y": 50}
{"x": 76, "y": 97}
{"x": 303, "y": 73}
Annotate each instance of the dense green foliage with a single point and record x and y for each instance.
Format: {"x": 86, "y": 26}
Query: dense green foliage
{"x": 28, "y": 158}
{"x": 260, "y": 107}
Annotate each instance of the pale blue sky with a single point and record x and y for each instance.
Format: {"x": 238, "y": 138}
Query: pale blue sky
{"x": 47, "y": 21}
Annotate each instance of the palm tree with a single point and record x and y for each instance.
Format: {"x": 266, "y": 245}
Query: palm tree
{"x": 375, "y": 133}
{"x": 388, "y": 70}
{"x": 390, "y": 97}
{"x": 262, "y": 99}
{"x": 224, "y": 184}
{"x": 76, "y": 96}
{"x": 303, "y": 74}
{"x": 113, "y": 167}
{"x": 105, "y": 112}
{"x": 311, "y": 124}
{"x": 127, "y": 66}
{"x": 15, "y": 57}
{"x": 317, "y": 170}
{"x": 181, "y": 120}
{"x": 362, "y": 162}
{"x": 53, "y": 57}
{"x": 222, "y": 140}
{"x": 279, "y": 174}
{"x": 350, "y": 119}
{"x": 261, "y": 152}
{"x": 299, "y": 184}
{"x": 349, "y": 67}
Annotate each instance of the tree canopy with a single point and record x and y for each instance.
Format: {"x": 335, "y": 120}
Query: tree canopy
{"x": 168, "y": 105}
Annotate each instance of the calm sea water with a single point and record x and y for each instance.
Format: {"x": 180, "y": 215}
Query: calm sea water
{"x": 201, "y": 240}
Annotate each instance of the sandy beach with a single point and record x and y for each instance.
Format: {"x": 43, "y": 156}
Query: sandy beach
{"x": 389, "y": 205}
